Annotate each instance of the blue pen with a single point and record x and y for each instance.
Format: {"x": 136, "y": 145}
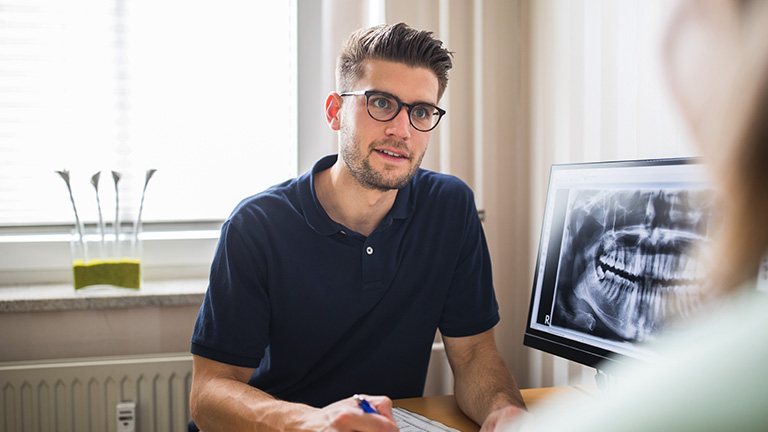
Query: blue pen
{"x": 365, "y": 405}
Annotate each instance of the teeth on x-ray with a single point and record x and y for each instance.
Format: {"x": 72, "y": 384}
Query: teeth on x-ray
{"x": 639, "y": 265}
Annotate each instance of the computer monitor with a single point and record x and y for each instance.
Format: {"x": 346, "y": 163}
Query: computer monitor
{"x": 618, "y": 257}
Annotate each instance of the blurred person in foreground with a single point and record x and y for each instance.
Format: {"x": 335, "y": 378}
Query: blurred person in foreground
{"x": 714, "y": 378}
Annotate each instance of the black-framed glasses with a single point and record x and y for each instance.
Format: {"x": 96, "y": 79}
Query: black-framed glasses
{"x": 384, "y": 107}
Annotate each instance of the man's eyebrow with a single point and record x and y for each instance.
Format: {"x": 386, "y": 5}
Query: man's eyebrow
{"x": 401, "y": 100}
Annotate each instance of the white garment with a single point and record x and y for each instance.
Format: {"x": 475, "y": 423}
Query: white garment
{"x": 715, "y": 378}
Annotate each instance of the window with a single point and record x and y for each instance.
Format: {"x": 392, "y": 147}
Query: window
{"x": 203, "y": 92}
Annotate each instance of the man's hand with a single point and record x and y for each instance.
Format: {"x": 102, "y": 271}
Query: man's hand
{"x": 347, "y": 416}
{"x": 501, "y": 417}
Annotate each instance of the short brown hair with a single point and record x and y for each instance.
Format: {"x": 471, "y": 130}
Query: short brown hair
{"x": 397, "y": 43}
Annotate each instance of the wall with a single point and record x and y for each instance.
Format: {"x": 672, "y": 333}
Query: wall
{"x": 100, "y": 332}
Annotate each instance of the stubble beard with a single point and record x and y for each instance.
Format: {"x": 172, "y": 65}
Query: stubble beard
{"x": 359, "y": 164}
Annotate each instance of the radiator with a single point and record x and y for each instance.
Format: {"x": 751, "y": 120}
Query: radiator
{"x": 81, "y": 395}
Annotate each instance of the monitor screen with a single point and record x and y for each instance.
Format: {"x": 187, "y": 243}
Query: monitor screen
{"x": 618, "y": 257}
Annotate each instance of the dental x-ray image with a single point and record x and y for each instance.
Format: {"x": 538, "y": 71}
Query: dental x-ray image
{"x": 629, "y": 261}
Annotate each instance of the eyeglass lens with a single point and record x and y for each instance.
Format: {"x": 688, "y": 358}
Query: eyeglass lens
{"x": 384, "y": 108}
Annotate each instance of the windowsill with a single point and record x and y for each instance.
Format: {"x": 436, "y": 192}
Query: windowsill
{"x": 63, "y": 297}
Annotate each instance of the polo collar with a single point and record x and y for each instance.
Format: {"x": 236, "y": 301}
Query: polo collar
{"x": 318, "y": 219}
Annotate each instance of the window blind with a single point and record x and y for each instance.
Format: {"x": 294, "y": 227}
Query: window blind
{"x": 202, "y": 92}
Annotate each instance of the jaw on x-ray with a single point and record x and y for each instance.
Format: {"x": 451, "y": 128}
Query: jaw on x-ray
{"x": 628, "y": 262}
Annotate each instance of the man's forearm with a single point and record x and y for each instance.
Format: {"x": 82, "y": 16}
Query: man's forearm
{"x": 222, "y": 400}
{"x": 484, "y": 386}
{"x": 222, "y": 404}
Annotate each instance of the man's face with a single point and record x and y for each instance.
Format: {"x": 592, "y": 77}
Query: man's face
{"x": 385, "y": 155}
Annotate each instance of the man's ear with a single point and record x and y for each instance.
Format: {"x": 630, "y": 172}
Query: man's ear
{"x": 333, "y": 111}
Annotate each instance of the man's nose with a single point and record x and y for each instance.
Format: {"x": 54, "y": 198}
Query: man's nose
{"x": 400, "y": 125}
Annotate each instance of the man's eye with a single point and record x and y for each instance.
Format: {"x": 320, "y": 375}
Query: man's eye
{"x": 381, "y": 103}
{"x": 420, "y": 112}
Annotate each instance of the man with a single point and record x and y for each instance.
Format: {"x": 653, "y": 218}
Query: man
{"x": 335, "y": 283}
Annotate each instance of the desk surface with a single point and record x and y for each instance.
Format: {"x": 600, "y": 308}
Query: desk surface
{"x": 445, "y": 410}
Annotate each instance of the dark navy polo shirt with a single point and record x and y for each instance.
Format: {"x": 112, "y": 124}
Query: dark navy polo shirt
{"x": 323, "y": 312}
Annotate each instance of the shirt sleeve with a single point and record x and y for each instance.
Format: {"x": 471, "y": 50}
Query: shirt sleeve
{"x": 233, "y": 322}
{"x": 471, "y": 307}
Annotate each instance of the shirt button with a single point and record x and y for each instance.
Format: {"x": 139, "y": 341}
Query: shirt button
{"x": 369, "y": 250}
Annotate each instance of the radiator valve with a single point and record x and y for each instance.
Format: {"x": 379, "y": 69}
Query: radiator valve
{"x": 126, "y": 417}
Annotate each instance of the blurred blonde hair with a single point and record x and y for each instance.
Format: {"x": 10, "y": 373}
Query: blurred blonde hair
{"x": 742, "y": 168}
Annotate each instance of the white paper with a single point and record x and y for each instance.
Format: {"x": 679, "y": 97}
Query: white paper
{"x": 411, "y": 422}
